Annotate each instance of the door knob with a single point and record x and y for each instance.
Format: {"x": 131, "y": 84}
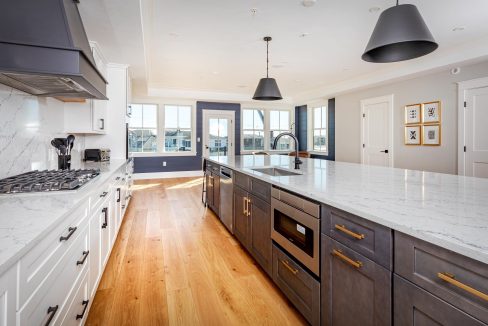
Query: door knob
{"x": 385, "y": 151}
{"x": 206, "y": 146}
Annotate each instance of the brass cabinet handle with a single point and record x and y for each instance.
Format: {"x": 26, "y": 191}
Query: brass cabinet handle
{"x": 291, "y": 269}
{"x": 342, "y": 228}
{"x": 344, "y": 258}
{"x": 449, "y": 278}
{"x": 244, "y": 209}
{"x": 248, "y": 211}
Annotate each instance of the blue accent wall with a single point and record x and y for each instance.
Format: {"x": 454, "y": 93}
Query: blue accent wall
{"x": 301, "y": 129}
{"x": 190, "y": 163}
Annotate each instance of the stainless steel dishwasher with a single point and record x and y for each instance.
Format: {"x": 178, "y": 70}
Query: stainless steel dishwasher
{"x": 226, "y": 198}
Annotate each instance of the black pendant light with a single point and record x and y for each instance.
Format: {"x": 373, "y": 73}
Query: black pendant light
{"x": 267, "y": 89}
{"x": 400, "y": 34}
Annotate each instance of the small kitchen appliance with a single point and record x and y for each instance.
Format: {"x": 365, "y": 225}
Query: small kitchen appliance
{"x": 97, "y": 155}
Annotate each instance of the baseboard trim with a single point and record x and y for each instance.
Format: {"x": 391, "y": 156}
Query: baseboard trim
{"x": 167, "y": 175}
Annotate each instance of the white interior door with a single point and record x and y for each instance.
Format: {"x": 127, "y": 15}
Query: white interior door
{"x": 218, "y": 133}
{"x": 377, "y": 131}
{"x": 476, "y": 132}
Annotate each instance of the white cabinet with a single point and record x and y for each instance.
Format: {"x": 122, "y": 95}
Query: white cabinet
{"x": 8, "y": 297}
{"x": 89, "y": 117}
{"x": 55, "y": 282}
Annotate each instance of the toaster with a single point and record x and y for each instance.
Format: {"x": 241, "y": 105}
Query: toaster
{"x": 97, "y": 155}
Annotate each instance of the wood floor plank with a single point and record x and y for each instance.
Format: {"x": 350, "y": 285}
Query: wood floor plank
{"x": 175, "y": 263}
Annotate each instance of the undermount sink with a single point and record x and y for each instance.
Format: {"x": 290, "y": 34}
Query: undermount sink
{"x": 274, "y": 171}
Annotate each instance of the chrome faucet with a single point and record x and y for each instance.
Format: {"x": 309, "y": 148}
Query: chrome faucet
{"x": 297, "y": 159}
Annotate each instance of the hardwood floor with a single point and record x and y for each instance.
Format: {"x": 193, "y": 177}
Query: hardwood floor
{"x": 174, "y": 263}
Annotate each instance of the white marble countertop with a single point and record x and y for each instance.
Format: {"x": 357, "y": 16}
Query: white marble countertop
{"x": 447, "y": 210}
{"x": 25, "y": 219}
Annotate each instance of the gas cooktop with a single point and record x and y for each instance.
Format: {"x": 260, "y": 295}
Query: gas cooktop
{"x": 48, "y": 180}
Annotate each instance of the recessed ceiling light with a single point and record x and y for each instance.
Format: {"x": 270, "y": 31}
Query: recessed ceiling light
{"x": 374, "y": 9}
{"x": 173, "y": 34}
{"x": 297, "y": 80}
{"x": 304, "y": 35}
{"x": 242, "y": 86}
{"x": 458, "y": 29}
{"x": 308, "y": 3}
{"x": 278, "y": 66}
{"x": 254, "y": 11}
{"x": 215, "y": 72}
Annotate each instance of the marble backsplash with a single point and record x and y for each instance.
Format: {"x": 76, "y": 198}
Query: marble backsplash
{"x": 27, "y": 125}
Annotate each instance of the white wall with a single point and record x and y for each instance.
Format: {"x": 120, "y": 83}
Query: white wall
{"x": 437, "y": 86}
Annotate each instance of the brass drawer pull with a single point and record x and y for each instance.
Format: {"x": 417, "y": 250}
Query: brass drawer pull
{"x": 449, "y": 278}
{"x": 248, "y": 211}
{"x": 291, "y": 269}
{"x": 342, "y": 228}
{"x": 244, "y": 202}
{"x": 344, "y": 258}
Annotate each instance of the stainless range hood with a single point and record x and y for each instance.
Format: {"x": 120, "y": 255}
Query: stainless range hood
{"x": 44, "y": 50}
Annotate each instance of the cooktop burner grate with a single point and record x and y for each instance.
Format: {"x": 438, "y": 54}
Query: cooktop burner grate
{"x": 48, "y": 180}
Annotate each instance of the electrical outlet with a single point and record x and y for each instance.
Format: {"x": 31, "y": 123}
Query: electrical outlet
{"x": 164, "y": 163}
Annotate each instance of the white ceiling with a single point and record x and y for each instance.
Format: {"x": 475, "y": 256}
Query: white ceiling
{"x": 216, "y": 45}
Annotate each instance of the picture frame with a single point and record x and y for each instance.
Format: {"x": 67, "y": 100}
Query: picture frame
{"x": 431, "y": 135}
{"x": 431, "y": 112}
{"x": 413, "y": 135}
{"x": 412, "y": 114}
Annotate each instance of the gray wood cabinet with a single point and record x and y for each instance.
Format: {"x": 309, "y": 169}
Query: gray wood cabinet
{"x": 212, "y": 181}
{"x": 355, "y": 290}
{"x": 252, "y": 226}
{"x": 241, "y": 220}
{"x": 458, "y": 280}
{"x": 415, "y": 306}
{"x": 299, "y": 286}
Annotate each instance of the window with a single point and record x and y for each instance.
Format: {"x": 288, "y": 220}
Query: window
{"x": 177, "y": 128}
{"x": 253, "y": 129}
{"x": 143, "y": 128}
{"x": 279, "y": 121}
{"x": 319, "y": 122}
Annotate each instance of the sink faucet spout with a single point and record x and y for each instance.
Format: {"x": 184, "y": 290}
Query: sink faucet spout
{"x": 295, "y": 139}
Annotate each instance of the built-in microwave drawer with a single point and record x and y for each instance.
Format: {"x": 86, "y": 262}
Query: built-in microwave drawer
{"x": 299, "y": 286}
{"x": 368, "y": 238}
{"x": 459, "y": 280}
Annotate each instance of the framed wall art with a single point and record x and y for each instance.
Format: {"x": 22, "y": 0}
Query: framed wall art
{"x": 412, "y": 114}
{"x": 431, "y": 135}
{"x": 431, "y": 112}
{"x": 412, "y": 135}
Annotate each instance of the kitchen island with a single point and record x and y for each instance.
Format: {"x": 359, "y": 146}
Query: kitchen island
{"x": 396, "y": 245}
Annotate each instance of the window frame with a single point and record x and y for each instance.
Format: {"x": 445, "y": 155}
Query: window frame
{"x": 267, "y": 130}
{"x": 311, "y": 129}
{"x": 142, "y": 153}
{"x": 161, "y": 130}
{"x": 191, "y": 129}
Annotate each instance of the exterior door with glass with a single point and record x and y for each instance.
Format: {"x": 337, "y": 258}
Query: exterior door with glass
{"x": 218, "y": 133}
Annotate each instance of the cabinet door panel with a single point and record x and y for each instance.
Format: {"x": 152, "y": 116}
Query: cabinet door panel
{"x": 216, "y": 193}
{"x": 261, "y": 233}
{"x": 8, "y": 293}
{"x": 241, "y": 220}
{"x": 353, "y": 295}
{"x": 209, "y": 188}
{"x": 415, "y": 306}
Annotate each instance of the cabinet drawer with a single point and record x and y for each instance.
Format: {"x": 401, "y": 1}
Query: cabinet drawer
{"x": 99, "y": 197}
{"x": 76, "y": 309}
{"x": 355, "y": 290}
{"x": 369, "y": 239}
{"x": 260, "y": 189}
{"x": 415, "y": 306}
{"x": 241, "y": 180}
{"x": 40, "y": 260}
{"x": 298, "y": 285}
{"x": 56, "y": 288}
{"x": 421, "y": 262}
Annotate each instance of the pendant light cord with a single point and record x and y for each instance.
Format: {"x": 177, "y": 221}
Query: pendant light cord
{"x": 267, "y": 58}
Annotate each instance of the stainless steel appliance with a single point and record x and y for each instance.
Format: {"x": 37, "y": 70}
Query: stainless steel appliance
{"x": 97, "y": 155}
{"x": 226, "y": 198}
{"x": 296, "y": 227}
{"x": 42, "y": 181}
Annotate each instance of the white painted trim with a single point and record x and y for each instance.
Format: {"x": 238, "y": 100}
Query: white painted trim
{"x": 463, "y": 87}
{"x": 167, "y": 175}
{"x": 380, "y": 99}
{"x": 224, "y": 114}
